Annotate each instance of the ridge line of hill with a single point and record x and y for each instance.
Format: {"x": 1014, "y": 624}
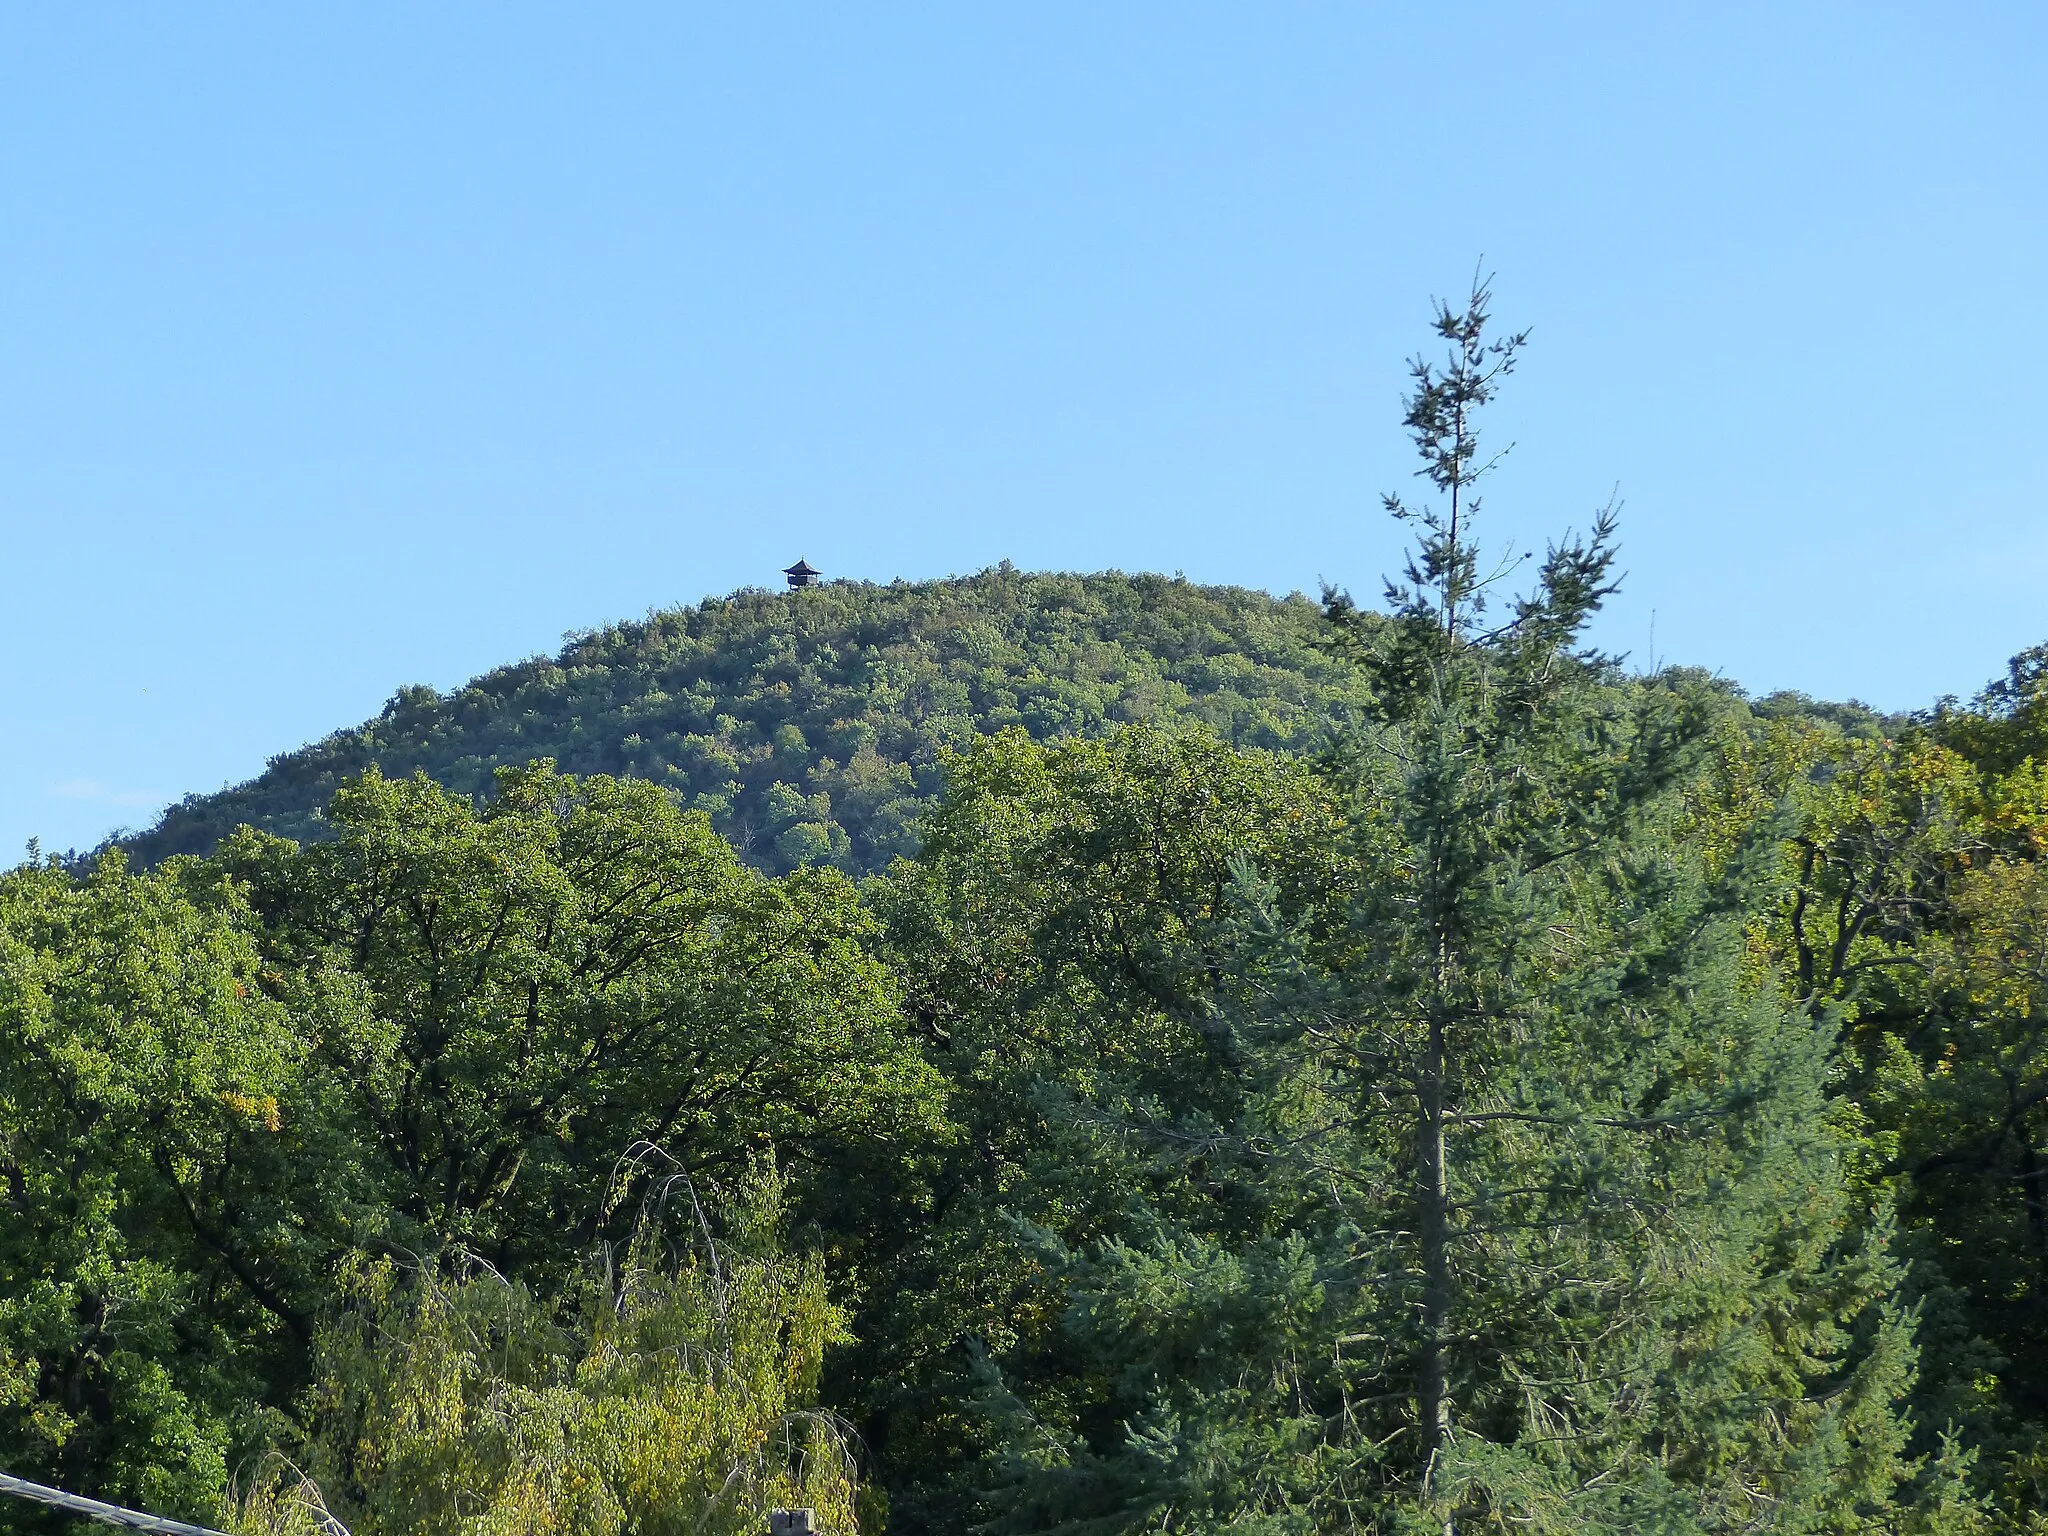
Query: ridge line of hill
{"x": 809, "y": 724}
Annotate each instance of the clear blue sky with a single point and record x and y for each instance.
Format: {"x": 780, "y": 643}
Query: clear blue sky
{"x": 349, "y": 346}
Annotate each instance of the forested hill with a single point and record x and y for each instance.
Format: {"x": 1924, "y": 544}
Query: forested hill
{"x": 1590, "y": 1102}
{"x": 810, "y": 724}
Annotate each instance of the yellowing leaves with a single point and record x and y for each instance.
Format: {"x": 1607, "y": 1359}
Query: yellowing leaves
{"x": 661, "y": 1400}
{"x": 254, "y": 1109}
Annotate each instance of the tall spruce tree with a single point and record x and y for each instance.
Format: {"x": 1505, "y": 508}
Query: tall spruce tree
{"x": 1535, "y": 1214}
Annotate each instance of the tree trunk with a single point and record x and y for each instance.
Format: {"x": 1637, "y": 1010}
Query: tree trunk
{"x": 1434, "y": 1206}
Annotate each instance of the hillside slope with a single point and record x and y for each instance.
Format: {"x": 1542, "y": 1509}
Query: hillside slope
{"x": 810, "y": 724}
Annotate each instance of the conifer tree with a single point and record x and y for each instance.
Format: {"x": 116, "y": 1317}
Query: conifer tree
{"x": 1535, "y": 1216}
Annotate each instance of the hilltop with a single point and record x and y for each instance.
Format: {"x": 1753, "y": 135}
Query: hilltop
{"x": 810, "y": 724}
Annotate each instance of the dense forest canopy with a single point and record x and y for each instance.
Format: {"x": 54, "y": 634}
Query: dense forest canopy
{"x": 1059, "y": 1054}
{"x": 810, "y": 725}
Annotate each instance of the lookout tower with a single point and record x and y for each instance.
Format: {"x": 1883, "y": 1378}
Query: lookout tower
{"x": 801, "y": 574}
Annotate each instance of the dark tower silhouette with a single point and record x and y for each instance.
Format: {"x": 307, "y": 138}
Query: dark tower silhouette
{"x": 801, "y": 574}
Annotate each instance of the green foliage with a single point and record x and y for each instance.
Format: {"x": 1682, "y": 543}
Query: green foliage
{"x": 224, "y": 1086}
{"x": 664, "y": 1399}
{"x": 575, "y": 970}
{"x": 1909, "y": 902}
{"x": 1176, "y": 1285}
{"x": 1285, "y": 1070}
{"x": 1443, "y": 1167}
{"x": 138, "y": 1056}
{"x": 1061, "y": 939}
{"x": 810, "y": 725}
